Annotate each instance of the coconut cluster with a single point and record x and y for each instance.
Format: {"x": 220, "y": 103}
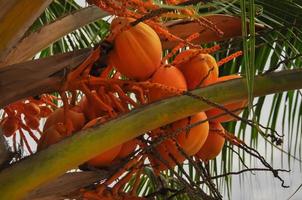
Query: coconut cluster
{"x": 137, "y": 55}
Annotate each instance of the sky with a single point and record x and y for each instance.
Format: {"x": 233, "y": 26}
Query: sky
{"x": 81, "y": 2}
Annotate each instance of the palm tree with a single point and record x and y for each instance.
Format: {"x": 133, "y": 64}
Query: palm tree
{"x": 58, "y": 36}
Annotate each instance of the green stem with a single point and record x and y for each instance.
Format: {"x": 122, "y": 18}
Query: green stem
{"x": 21, "y": 178}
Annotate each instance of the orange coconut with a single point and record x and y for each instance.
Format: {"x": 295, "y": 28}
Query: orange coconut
{"x": 52, "y": 135}
{"x": 168, "y": 76}
{"x": 200, "y": 70}
{"x": 77, "y": 119}
{"x": 189, "y": 141}
{"x": 9, "y": 126}
{"x": 192, "y": 140}
{"x": 137, "y": 50}
{"x": 127, "y": 148}
{"x": 214, "y": 143}
{"x": 31, "y": 109}
{"x": 234, "y": 106}
{"x": 105, "y": 158}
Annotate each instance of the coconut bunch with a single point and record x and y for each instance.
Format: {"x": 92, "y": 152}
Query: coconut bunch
{"x": 137, "y": 55}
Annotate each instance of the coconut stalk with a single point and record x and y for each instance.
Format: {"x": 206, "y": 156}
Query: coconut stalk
{"x": 54, "y": 161}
